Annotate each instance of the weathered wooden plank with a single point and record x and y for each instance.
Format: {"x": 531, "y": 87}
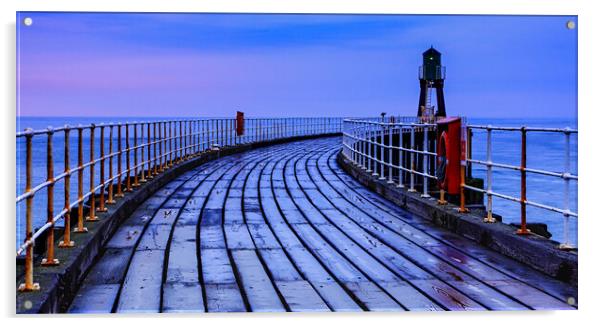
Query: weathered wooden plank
{"x": 141, "y": 290}
{"x": 183, "y": 297}
{"x": 256, "y": 283}
{"x": 300, "y": 296}
{"x": 224, "y": 298}
{"x": 216, "y": 266}
{"x": 155, "y": 237}
{"x": 183, "y": 263}
{"x": 263, "y": 236}
{"x": 238, "y": 237}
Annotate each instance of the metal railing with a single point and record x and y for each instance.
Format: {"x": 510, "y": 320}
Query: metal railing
{"x": 565, "y": 175}
{"x": 369, "y": 143}
{"x": 129, "y": 154}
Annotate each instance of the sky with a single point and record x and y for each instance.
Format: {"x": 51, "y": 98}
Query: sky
{"x": 276, "y": 65}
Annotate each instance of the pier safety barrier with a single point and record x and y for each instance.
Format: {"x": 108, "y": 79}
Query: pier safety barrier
{"x": 128, "y": 155}
{"x": 369, "y": 143}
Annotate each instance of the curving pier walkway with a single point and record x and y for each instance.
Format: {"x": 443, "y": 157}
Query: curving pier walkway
{"x": 283, "y": 228}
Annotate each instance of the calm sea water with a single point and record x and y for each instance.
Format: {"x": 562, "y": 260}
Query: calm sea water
{"x": 545, "y": 151}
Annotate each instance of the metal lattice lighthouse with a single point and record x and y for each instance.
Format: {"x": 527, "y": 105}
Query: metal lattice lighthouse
{"x": 431, "y": 75}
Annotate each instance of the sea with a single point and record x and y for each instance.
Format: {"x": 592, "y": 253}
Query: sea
{"x": 545, "y": 151}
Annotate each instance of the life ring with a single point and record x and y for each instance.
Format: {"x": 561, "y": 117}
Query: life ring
{"x": 442, "y": 162}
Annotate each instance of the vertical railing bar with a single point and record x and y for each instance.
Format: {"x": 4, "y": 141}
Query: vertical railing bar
{"x": 523, "y": 184}
{"x": 119, "y": 163}
{"x": 29, "y": 285}
{"x": 50, "y": 260}
{"x": 101, "y": 197}
{"x": 425, "y": 157}
{"x": 390, "y": 167}
{"x": 66, "y": 242}
{"x": 566, "y": 244}
{"x": 110, "y": 199}
{"x": 80, "y": 182}
{"x": 489, "y": 218}
{"x": 92, "y": 211}
{"x": 412, "y": 159}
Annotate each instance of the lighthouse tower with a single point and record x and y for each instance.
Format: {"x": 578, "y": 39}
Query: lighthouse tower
{"x": 431, "y": 75}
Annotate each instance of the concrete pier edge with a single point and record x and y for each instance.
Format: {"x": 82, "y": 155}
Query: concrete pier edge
{"x": 533, "y": 250}
{"x": 59, "y": 284}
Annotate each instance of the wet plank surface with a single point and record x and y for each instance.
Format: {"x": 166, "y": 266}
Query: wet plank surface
{"x": 283, "y": 228}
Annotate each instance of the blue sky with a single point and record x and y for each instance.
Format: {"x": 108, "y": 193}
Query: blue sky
{"x": 128, "y": 64}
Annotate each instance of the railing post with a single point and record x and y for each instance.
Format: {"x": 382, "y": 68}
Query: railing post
{"x": 50, "y": 260}
{"x": 119, "y": 163}
{"x": 101, "y": 199}
{"x": 110, "y": 199}
{"x": 142, "y": 145}
{"x": 401, "y": 155}
{"x": 566, "y": 244}
{"x": 523, "y": 184}
{"x": 425, "y": 158}
{"x": 489, "y": 218}
{"x": 160, "y": 144}
{"x": 29, "y": 285}
{"x": 412, "y": 159}
{"x": 465, "y": 161}
{"x": 170, "y": 144}
{"x": 128, "y": 182}
{"x": 390, "y": 168}
{"x": 164, "y": 147}
{"x": 181, "y": 151}
{"x": 80, "y": 182}
{"x": 148, "y": 153}
{"x": 92, "y": 211}
{"x": 136, "y": 182}
{"x": 66, "y": 242}
{"x": 155, "y": 149}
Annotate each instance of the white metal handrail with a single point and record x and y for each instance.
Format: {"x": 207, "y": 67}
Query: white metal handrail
{"x": 364, "y": 143}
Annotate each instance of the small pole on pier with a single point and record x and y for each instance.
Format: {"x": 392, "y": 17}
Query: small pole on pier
{"x": 401, "y": 154}
{"x": 92, "y": 211}
{"x": 80, "y": 182}
{"x": 142, "y": 145}
{"x": 170, "y": 144}
{"x": 425, "y": 162}
{"x": 390, "y": 154}
{"x": 147, "y": 145}
{"x": 489, "y": 218}
{"x": 464, "y": 157}
{"x": 119, "y": 193}
{"x": 66, "y": 242}
{"x": 101, "y": 199}
{"x": 136, "y": 182}
{"x": 368, "y": 136}
{"x": 382, "y": 147}
{"x": 29, "y": 285}
{"x": 155, "y": 148}
{"x": 128, "y": 182}
{"x": 566, "y": 244}
{"x": 180, "y": 158}
{"x": 164, "y": 147}
{"x": 110, "y": 199}
{"x": 412, "y": 159}
{"x": 523, "y": 184}
{"x": 50, "y": 260}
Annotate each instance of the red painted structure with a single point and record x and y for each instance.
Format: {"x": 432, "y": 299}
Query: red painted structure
{"x": 240, "y": 123}
{"x": 449, "y": 133}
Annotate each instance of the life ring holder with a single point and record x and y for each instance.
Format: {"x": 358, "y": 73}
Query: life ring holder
{"x": 442, "y": 162}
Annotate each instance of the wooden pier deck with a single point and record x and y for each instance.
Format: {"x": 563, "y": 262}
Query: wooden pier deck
{"x": 283, "y": 228}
